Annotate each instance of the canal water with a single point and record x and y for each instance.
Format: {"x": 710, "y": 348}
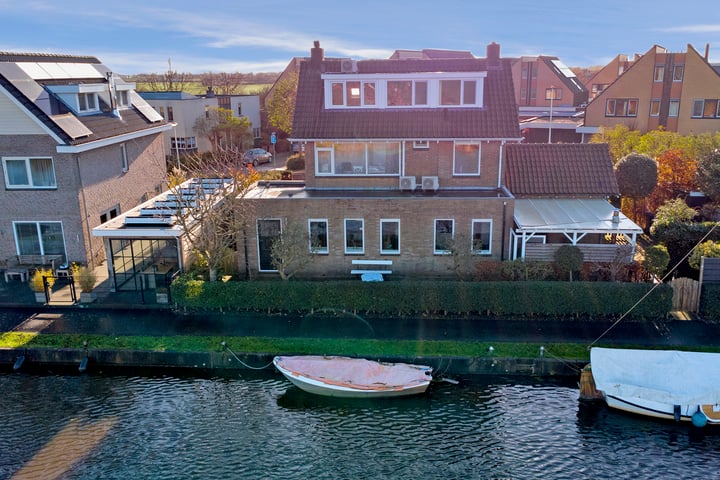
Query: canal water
{"x": 255, "y": 425}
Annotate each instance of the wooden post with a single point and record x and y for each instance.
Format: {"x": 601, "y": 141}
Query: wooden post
{"x": 587, "y": 385}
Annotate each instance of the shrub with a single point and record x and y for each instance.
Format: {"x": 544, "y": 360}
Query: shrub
{"x": 36, "y": 281}
{"x": 85, "y": 277}
{"x": 295, "y": 162}
{"x": 569, "y": 258}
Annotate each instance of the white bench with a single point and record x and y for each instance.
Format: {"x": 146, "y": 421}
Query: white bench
{"x": 371, "y": 274}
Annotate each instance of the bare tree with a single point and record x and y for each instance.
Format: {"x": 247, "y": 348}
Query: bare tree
{"x": 170, "y": 81}
{"x": 224, "y": 83}
{"x": 291, "y": 251}
{"x": 223, "y": 129}
{"x": 462, "y": 257}
{"x": 212, "y": 210}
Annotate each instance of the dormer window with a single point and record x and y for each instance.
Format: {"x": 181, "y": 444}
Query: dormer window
{"x": 121, "y": 98}
{"x": 412, "y": 90}
{"x": 87, "y": 102}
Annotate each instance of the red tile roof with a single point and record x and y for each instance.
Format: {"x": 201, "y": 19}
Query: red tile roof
{"x": 559, "y": 170}
{"x": 497, "y": 119}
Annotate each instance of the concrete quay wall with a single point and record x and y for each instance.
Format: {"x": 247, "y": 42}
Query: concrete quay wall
{"x": 223, "y": 362}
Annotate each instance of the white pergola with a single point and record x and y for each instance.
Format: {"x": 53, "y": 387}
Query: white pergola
{"x": 573, "y": 218}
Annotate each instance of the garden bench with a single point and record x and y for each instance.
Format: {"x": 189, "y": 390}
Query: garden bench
{"x": 371, "y": 272}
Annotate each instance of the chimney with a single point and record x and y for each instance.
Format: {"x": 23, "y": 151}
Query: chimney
{"x": 316, "y": 54}
{"x": 707, "y": 51}
{"x": 493, "y": 55}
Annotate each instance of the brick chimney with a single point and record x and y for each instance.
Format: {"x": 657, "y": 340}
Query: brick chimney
{"x": 317, "y": 54}
{"x": 493, "y": 54}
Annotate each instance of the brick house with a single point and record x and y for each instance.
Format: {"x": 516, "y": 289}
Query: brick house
{"x": 78, "y": 146}
{"x": 679, "y": 92}
{"x": 403, "y": 160}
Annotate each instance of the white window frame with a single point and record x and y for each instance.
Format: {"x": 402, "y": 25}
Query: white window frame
{"x": 324, "y": 250}
{"x": 124, "y": 158}
{"x": 363, "y": 170}
{"x": 354, "y": 250}
{"x": 674, "y": 109}
{"x": 41, "y": 244}
{"x": 84, "y": 99}
{"x": 479, "y": 157}
{"x": 436, "y": 250}
{"x": 380, "y": 81}
{"x": 701, "y": 103}
{"x": 658, "y": 73}
{"x": 655, "y": 103}
{"x": 390, "y": 251}
{"x": 421, "y": 145}
{"x": 28, "y": 170}
{"x": 478, "y": 221}
{"x": 121, "y": 99}
{"x": 676, "y": 69}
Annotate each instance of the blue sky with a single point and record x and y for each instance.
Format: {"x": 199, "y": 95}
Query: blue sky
{"x": 133, "y": 36}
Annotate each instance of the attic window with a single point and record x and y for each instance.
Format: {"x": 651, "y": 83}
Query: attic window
{"x": 87, "y": 102}
{"x": 121, "y": 98}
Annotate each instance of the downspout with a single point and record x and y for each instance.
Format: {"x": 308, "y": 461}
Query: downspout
{"x": 504, "y": 224}
{"x": 91, "y": 259}
{"x": 500, "y": 162}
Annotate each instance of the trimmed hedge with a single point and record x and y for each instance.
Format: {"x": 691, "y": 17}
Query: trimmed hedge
{"x": 410, "y": 297}
{"x": 710, "y": 302}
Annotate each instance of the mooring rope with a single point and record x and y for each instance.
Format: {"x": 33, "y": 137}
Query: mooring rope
{"x": 662, "y": 280}
{"x": 224, "y": 345}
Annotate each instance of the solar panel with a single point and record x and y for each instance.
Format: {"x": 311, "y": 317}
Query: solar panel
{"x": 144, "y": 108}
{"x": 59, "y": 71}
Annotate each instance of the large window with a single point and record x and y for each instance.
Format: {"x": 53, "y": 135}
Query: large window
{"x": 390, "y": 236}
{"x": 674, "y": 108}
{"x": 678, "y": 71}
{"x": 268, "y": 230}
{"x": 402, "y": 93}
{"x": 659, "y": 73}
{"x": 621, "y": 107}
{"x": 39, "y": 238}
{"x": 466, "y": 159}
{"x": 481, "y": 236}
{"x": 22, "y": 172}
{"x": 349, "y": 158}
{"x": 444, "y": 230}
{"x": 352, "y": 93}
{"x": 354, "y": 235}
{"x": 707, "y": 108}
{"x": 458, "y": 92}
{"x": 318, "y": 233}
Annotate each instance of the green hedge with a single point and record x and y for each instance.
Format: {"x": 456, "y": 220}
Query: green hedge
{"x": 406, "y": 297}
{"x": 710, "y": 302}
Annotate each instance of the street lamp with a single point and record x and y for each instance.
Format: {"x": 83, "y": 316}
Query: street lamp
{"x": 550, "y": 95}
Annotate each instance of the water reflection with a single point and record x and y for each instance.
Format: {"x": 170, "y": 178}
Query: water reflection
{"x": 259, "y": 426}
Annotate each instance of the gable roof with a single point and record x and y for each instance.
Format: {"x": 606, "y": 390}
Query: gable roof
{"x": 560, "y": 170}
{"x": 498, "y": 118}
{"x": 29, "y": 77}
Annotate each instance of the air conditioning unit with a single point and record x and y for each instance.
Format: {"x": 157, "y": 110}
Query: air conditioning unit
{"x": 407, "y": 183}
{"x": 348, "y": 66}
{"x": 430, "y": 184}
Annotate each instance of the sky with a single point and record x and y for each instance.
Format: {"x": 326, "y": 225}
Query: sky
{"x": 143, "y": 36}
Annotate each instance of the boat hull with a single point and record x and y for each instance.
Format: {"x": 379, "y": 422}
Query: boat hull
{"x": 324, "y": 384}
{"x": 666, "y": 384}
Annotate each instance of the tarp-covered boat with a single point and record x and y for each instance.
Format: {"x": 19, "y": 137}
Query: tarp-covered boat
{"x": 669, "y": 384}
{"x": 353, "y": 377}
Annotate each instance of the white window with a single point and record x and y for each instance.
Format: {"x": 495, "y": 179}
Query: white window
{"x": 318, "y": 235}
{"x": 390, "y": 236}
{"x": 39, "y": 238}
{"x": 621, "y": 107}
{"x": 674, "y": 108}
{"x": 121, "y": 98}
{"x": 482, "y": 237}
{"x": 123, "y": 157}
{"x": 654, "y": 108}
{"x": 352, "y": 93}
{"x": 29, "y": 172}
{"x": 444, "y": 232}
{"x": 458, "y": 92}
{"x": 87, "y": 102}
{"x": 466, "y": 158}
{"x": 659, "y": 73}
{"x": 354, "y": 236}
{"x": 678, "y": 71}
{"x": 358, "y": 159}
{"x": 707, "y": 108}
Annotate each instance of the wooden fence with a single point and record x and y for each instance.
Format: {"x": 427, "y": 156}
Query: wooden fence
{"x": 686, "y": 295}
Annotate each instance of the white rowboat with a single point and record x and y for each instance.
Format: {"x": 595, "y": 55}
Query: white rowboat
{"x": 353, "y": 377}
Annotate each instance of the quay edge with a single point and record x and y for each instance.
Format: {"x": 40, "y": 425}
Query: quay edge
{"x": 217, "y": 362}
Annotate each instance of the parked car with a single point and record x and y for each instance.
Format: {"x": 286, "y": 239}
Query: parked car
{"x": 257, "y": 156}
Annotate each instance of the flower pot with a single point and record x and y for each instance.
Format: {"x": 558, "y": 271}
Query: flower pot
{"x": 87, "y": 297}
